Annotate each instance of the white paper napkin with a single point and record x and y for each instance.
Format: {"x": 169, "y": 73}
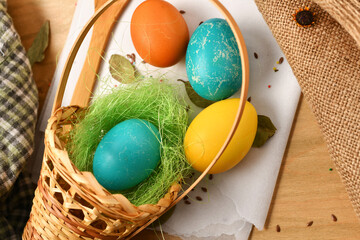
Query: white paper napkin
{"x": 239, "y": 198}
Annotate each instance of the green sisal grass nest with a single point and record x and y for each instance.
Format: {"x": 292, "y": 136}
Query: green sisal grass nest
{"x": 154, "y": 101}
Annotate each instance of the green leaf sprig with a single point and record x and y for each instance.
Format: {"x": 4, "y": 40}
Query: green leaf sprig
{"x": 41, "y": 42}
{"x": 265, "y": 130}
{"x": 194, "y": 97}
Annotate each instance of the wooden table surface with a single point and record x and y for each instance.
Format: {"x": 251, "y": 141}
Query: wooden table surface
{"x": 306, "y": 189}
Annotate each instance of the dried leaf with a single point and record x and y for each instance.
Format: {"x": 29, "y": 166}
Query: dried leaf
{"x": 121, "y": 69}
{"x": 265, "y": 130}
{"x": 194, "y": 97}
{"x": 41, "y": 42}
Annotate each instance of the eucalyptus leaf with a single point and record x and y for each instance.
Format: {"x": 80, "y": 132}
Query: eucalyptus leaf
{"x": 265, "y": 130}
{"x": 121, "y": 69}
{"x": 41, "y": 42}
{"x": 194, "y": 97}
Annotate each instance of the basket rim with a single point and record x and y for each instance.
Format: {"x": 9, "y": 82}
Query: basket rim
{"x": 70, "y": 173}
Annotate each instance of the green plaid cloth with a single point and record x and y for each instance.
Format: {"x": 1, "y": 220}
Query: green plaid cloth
{"x": 18, "y": 111}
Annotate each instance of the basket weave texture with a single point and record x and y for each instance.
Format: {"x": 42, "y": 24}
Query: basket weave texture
{"x": 70, "y": 204}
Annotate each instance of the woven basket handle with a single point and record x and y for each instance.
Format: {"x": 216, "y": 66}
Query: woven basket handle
{"x": 345, "y": 12}
{"x": 244, "y": 87}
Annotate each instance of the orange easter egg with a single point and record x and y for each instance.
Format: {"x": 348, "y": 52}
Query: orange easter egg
{"x": 159, "y": 33}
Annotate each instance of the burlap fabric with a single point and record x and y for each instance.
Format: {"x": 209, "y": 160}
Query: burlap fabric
{"x": 325, "y": 59}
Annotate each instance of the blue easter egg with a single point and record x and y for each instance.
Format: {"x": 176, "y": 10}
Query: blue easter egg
{"x": 213, "y": 63}
{"x": 127, "y": 155}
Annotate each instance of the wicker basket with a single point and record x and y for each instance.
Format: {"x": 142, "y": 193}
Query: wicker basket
{"x": 70, "y": 204}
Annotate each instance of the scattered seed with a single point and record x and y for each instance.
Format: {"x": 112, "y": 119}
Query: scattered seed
{"x": 204, "y": 189}
{"x": 330, "y": 169}
{"x": 211, "y": 177}
{"x": 186, "y": 197}
{"x": 334, "y": 217}
{"x": 201, "y": 23}
{"x": 182, "y": 11}
{"x": 275, "y": 69}
{"x": 187, "y": 202}
{"x": 187, "y": 109}
{"x": 281, "y": 60}
{"x": 256, "y": 55}
{"x": 198, "y": 198}
{"x": 278, "y": 229}
{"x": 143, "y": 61}
{"x": 310, "y": 223}
{"x": 249, "y": 99}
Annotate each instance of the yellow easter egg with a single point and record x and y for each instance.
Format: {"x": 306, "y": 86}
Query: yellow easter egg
{"x": 209, "y": 130}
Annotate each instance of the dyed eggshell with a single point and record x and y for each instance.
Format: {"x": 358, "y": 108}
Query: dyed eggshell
{"x": 159, "y": 33}
{"x": 209, "y": 130}
{"x": 127, "y": 155}
{"x": 213, "y": 63}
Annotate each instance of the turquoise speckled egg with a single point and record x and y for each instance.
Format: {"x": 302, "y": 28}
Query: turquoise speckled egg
{"x": 127, "y": 155}
{"x": 213, "y": 63}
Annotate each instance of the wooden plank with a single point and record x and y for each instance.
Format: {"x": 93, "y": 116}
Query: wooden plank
{"x": 308, "y": 191}
{"x": 28, "y": 16}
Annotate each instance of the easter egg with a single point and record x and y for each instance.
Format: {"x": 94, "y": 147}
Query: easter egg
{"x": 127, "y": 154}
{"x": 209, "y": 130}
{"x": 159, "y": 33}
{"x": 213, "y": 63}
